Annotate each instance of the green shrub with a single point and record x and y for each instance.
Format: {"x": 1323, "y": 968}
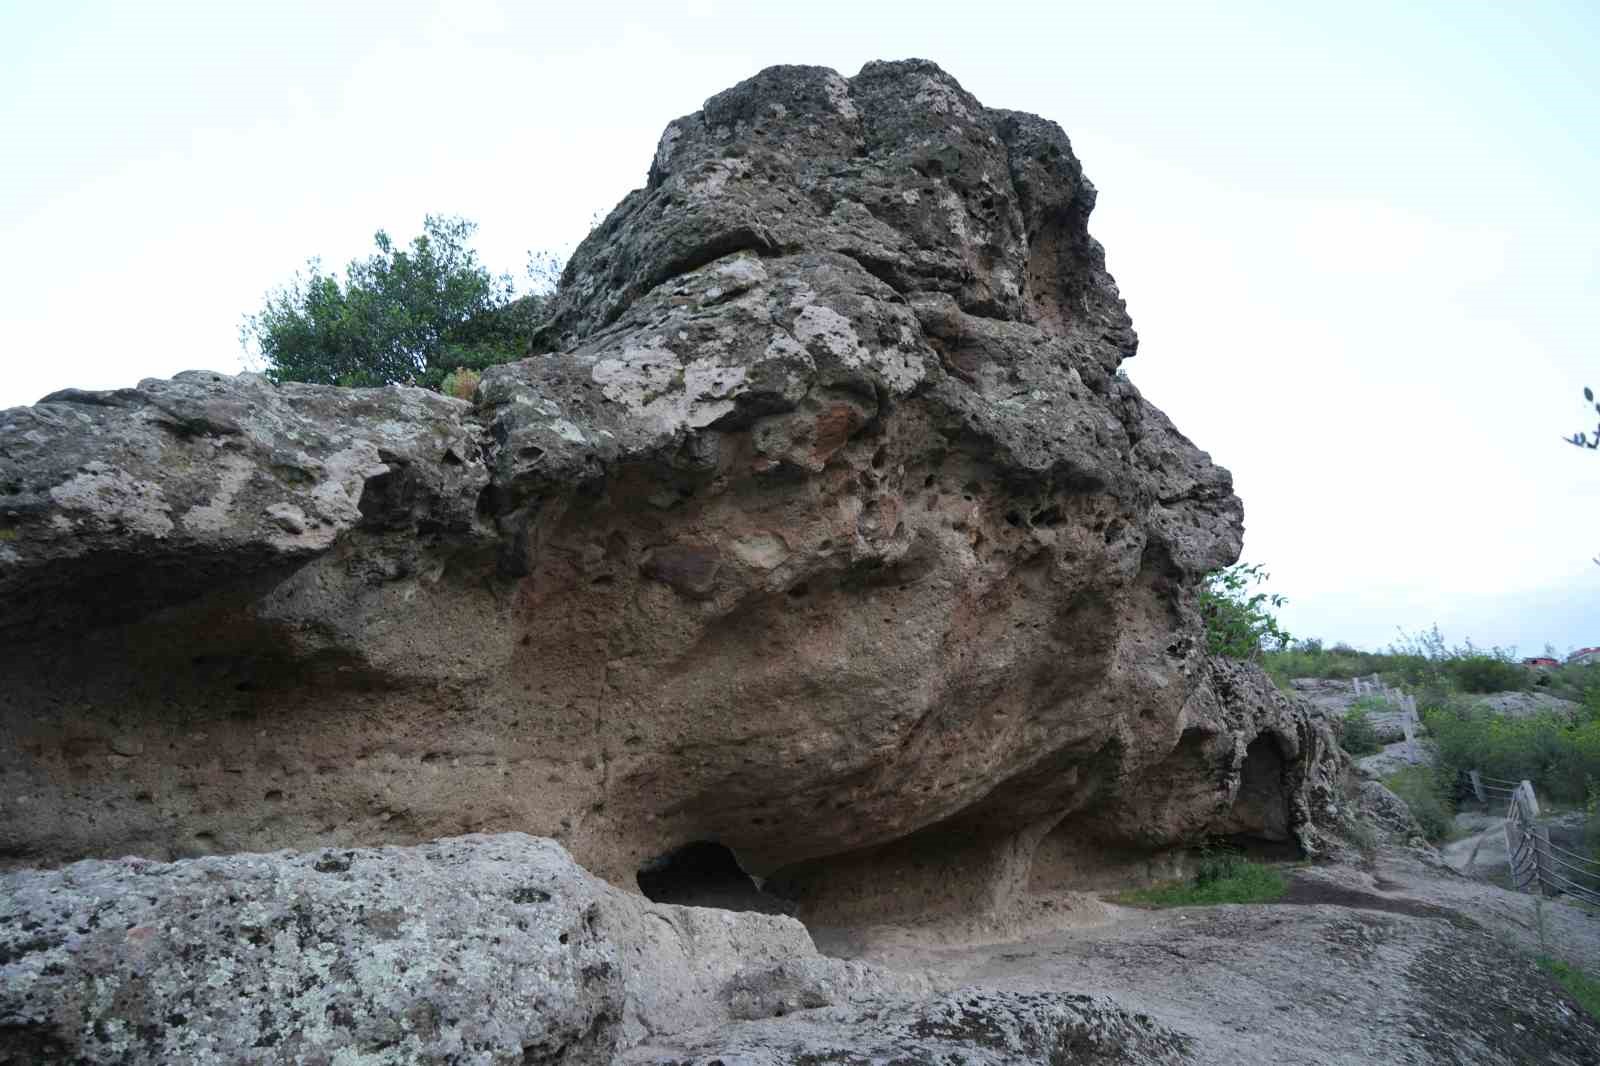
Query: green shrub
{"x": 1240, "y": 624}
{"x": 462, "y": 383}
{"x": 1558, "y": 754}
{"x": 1356, "y": 733}
{"x": 406, "y": 314}
{"x": 1489, "y": 673}
{"x": 1579, "y": 985}
{"x": 1578, "y": 682}
{"x": 1222, "y": 876}
{"x": 1364, "y": 837}
{"x": 1423, "y": 789}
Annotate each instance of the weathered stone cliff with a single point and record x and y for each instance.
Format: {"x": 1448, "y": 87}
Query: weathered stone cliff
{"x": 825, "y": 530}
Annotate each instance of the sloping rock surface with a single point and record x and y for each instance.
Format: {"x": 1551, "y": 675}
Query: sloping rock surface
{"x": 972, "y": 1027}
{"x": 826, "y": 530}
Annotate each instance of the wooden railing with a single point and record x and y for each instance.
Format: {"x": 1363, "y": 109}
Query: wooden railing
{"x": 1537, "y": 865}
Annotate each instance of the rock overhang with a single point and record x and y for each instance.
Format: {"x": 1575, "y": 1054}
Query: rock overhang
{"x": 828, "y": 526}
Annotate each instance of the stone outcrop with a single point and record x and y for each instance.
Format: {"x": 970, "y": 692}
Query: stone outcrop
{"x": 824, "y": 530}
{"x": 481, "y": 949}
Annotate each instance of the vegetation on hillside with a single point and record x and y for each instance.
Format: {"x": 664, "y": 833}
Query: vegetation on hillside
{"x": 1421, "y": 661}
{"x": 405, "y": 315}
{"x": 1558, "y": 753}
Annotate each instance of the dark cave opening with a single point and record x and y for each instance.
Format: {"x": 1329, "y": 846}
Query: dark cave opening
{"x": 1261, "y": 810}
{"x": 705, "y": 873}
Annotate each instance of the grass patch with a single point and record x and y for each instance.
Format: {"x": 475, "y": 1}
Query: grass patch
{"x": 1223, "y": 877}
{"x": 1579, "y": 985}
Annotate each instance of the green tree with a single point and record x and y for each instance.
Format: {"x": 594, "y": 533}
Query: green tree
{"x": 403, "y": 315}
{"x": 1240, "y": 623}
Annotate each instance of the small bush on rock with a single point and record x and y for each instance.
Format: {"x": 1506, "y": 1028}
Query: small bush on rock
{"x": 461, "y": 383}
{"x": 1357, "y": 734}
{"x": 406, "y": 314}
{"x": 1240, "y": 624}
{"x": 1421, "y": 788}
{"x": 1222, "y": 876}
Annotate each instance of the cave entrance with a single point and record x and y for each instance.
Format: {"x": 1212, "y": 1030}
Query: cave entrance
{"x": 706, "y": 874}
{"x": 1260, "y": 821}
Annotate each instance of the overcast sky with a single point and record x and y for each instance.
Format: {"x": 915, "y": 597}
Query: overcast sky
{"x": 1361, "y": 244}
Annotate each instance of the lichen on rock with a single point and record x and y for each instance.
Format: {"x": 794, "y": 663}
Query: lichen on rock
{"x": 821, "y": 527}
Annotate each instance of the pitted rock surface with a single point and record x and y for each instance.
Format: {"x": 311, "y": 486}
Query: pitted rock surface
{"x": 483, "y": 950}
{"x": 824, "y": 529}
{"x": 970, "y": 1027}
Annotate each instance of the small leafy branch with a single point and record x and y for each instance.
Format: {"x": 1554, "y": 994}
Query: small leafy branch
{"x": 1240, "y": 623}
{"x": 1580, "y": 438}
{"x": 1584, "y": 440}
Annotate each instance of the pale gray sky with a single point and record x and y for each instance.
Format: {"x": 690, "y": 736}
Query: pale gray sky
{"x": 1360, "y": 241}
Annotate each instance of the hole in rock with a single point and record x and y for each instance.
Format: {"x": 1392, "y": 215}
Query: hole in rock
{"x": 1261, "y": 810}
{"x": 705, "y": 874}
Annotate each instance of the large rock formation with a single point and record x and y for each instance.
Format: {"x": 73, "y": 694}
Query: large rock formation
{"x": 477, "y": 949}
{"x": 826, "y": 531}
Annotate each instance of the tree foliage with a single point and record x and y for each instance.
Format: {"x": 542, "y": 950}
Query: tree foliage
{"x": 1240, "y": 624}
{"x": 408, "y": 315}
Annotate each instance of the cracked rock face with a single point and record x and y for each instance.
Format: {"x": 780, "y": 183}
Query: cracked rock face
{"x": 825, "y": 530}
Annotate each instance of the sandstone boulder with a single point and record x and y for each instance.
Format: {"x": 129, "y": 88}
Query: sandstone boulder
{"x": 485, "y": 949}
{"x": 825, "y": 530}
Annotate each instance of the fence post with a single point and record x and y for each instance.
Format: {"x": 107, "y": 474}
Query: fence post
{"x": 1477, "y": 785}
{"x": 1542, "y": 865}
{"x": 1513, "y": 842}
{"x": 1527, "y": 802}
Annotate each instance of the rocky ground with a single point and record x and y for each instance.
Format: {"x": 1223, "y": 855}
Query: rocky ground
{"x": 499, "y": 950}
{"x": 1400, "y": 961}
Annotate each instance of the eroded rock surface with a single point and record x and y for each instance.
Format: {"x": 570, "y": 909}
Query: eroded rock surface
{"x": 825, "y": 531}
{"x": 974, "y": 1027}
{"x": 482, "y": 949}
